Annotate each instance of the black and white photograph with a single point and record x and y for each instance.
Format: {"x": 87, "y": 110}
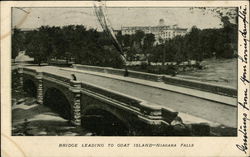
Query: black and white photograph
{"x": 124, "y": 71}
{"x": 124, "y": 78}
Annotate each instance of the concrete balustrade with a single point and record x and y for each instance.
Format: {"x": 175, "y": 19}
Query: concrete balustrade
{"x": 120, "y": 72}
{"x": 60, "y": 78}
{"x": 208, "y": 87}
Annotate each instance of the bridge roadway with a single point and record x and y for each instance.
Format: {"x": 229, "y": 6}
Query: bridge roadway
{"x": 202, "y": 105}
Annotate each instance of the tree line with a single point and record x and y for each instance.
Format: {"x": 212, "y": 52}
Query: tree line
{"x": 196, "y": 45}
{"x": 69, "y": 42}
{"x": 94, "y": 48}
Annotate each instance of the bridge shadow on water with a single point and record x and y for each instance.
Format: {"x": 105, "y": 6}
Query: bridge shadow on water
{"x": 57, "y": 101}
{"x": 98, "y": 122}
{"x": 103, "y": 123}
{"x": 30, "y": 88}
{"x": 39, "y": 120}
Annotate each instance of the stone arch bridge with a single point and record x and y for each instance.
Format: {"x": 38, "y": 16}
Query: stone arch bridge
{"x": 77, "y": 101}
{"x": 151, "y": 111}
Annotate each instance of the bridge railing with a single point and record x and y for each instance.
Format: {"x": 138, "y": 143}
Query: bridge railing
{"x": 29, "y": 70}
{"x": 57, "y": 77}
{"x": 208, "y": 87}
{"x": 135, "y": 74}
{"x": 111, "y": 94}
{"x": 60, "y": 78}
{"x": 120, "y": 72}
{"x": 135, "y": 104}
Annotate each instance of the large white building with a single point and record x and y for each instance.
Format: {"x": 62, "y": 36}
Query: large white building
{"x": 161, "y": 32}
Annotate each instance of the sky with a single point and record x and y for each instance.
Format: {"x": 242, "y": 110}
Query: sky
{"x": 183, "y": 17}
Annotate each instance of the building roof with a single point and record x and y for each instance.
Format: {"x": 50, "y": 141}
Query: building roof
{"x": 174, "y": 27}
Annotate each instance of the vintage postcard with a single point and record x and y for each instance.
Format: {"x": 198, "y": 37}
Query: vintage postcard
{"x": 124, "y": 78}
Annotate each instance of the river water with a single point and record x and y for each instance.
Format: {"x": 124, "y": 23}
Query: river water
{"x": 216, "y": 71}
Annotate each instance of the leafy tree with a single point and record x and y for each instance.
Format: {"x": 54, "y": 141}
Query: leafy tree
{"x": 35, "y": 49}
{"x": 17, "y": 44}
{"x": 148, "y": 44}
{"x": 94, "y": 48}
{"x": 138, "y": 38}
{"x": 127, "y": 40}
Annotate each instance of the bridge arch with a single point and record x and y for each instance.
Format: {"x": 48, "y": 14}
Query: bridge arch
{"x": 58, "y": 102}
{"x": 105, "y": 121}
{"x": 30, "y": 87}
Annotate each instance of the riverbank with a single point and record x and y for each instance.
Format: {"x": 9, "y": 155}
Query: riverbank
{"x": 216, "y": 71}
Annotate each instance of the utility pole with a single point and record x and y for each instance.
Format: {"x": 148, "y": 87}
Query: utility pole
{"x": 106, "y": 26}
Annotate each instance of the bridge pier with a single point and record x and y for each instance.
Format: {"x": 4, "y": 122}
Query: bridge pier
{"x": 39, "y": 96}
{"x": 76, "y": 107}
{"x": 20, "y": 73}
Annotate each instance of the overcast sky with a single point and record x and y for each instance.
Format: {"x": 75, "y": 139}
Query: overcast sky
{"x": 118, "y": 17}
